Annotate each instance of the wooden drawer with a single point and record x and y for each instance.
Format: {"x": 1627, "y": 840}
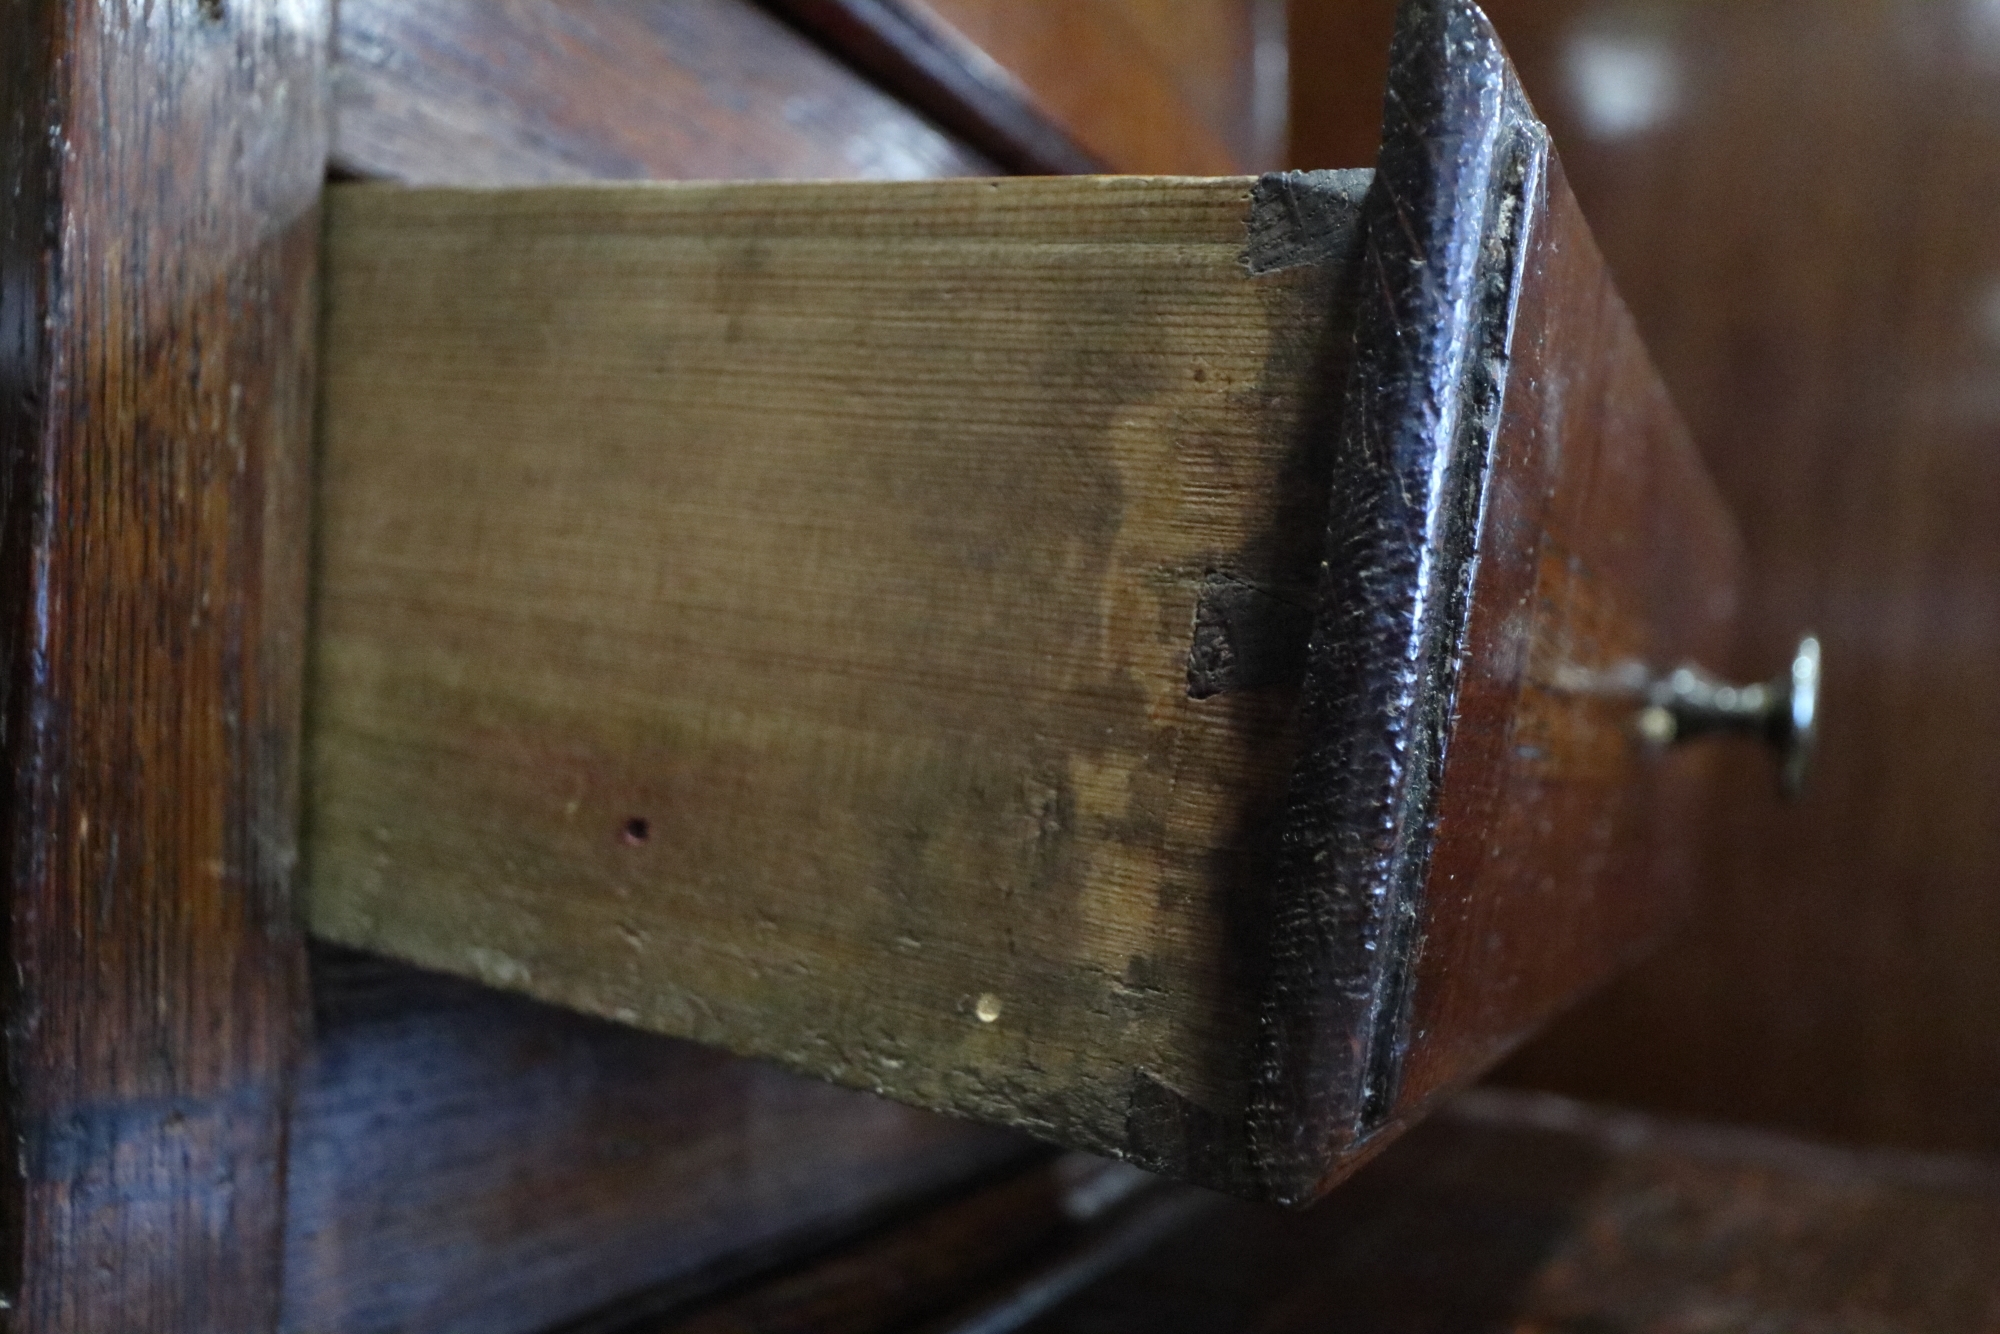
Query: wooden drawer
{"x": 1151, "y": 661}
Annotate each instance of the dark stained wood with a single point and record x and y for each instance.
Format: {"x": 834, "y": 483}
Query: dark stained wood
{"x": 162, "y": 168}
{"x": 1796, "y": 205}
{"x": 464, "y": 1160}
{"x": 471, "y": 92}
{"x": 1180, "y": 86}
{"x": 1518, "y": 1212}
{"x": 1520, "y": 527}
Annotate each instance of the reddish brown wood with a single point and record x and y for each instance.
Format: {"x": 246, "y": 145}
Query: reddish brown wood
{"x": 1147, "y": 86}
{"x": 1193, "y": 87}
{"x": 1563, "y": 848}
{"x": 1339, "y": 52}
{"x": 1796, "y": 212}
{"x": 464, "y": 1160}
{"x": 976, "y": 99}
{"x": 1836, "y": 348}
{"x": 162, "y": 178}
{"x": 467, "y": 92}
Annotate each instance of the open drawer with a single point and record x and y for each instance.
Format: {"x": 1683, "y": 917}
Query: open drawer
{"x": 1182, "y": 666}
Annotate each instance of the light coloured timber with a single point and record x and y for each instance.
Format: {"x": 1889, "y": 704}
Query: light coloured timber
{"x": 763, "y": 614}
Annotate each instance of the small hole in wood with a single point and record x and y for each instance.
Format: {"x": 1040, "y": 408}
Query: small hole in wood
{"x": 637, "y": 830}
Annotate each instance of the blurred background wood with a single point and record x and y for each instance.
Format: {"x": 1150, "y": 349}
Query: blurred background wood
{"x": 1796, "y": 198}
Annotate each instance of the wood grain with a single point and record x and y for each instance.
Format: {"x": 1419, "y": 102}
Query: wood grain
{"x": 469, "y": 1162}
{"x": 827, "y": 695}
{"x": 468, "y": 92}
{"x": 162, "y": 170}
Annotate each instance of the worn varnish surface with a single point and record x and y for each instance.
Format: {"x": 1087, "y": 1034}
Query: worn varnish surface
{"x": 464, "y": 1160}
{"x": 1473, "y": 836}
{"x": 162, "y": 168}
{"x": 1539, "y": 798}
{"x": 469, "y": 92}
{"x": 828, "y": 696}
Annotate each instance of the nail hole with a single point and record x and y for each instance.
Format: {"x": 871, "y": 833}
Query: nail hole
{"x": 637, "y": 830}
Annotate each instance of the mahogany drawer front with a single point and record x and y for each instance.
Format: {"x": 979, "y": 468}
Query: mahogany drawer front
{"x": 1134, "y": 659}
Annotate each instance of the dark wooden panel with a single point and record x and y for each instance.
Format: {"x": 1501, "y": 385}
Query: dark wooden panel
{"x": 1176, "y": 86}
{"x": 468, "y": 1161}
{"x": 1796, "y": 199}
{"x": 162, "y": 175}
{"x": 1521, "y": 530}
{"x": 472, "y": 92}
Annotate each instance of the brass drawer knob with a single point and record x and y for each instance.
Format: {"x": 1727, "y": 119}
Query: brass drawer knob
{"x": 1688, "y": 702}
